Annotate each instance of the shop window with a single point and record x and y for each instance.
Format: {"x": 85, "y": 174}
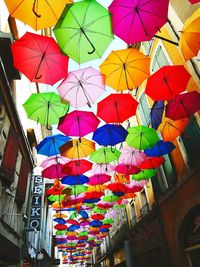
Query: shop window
{"x": 159, "y": 59}
{"x": 144, "y": 110}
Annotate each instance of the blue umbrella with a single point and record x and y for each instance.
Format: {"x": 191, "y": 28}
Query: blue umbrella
{"x": 159, "y": 149}
{"x": 59, "y": 220}
{"x": 72, "y": 228}
{"x": 75, "y": 180}
{"x": 156, "y": 113}
{"x": 104, "y": 230}
{"x": 49, "y": 146}
{"x": 83, "y": 214}
{"x": 93, "y": 200}
{"x": 95, "y": 223}
{"x": 110, "y": 135}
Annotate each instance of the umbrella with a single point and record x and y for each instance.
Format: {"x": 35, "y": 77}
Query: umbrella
{"x": 59, "y": 220}
{"x": 138, "y": 20}
{"x": 105, "y": 155}
{"x": 84, "y": 223}
{"x": 122, "y": 178}
{"x": 49, "y": 146}
{"x": 60, "y": 215}
{"x": 183, "y": 106}
{"x": 167, "y": 82}
{"x": 84, "y": 31}
{"x": 37, "y": 14}
{"x": 110, "y": 134}
{"x": 152, "y": 162}
{"x": 107, "y": 221}
{"x": 99, "y": 210}
{"x": 126, "y": 169}
{"x": 141, "y": 137}
{"x": 194, "y": 1}
{"x": 70, "y": 221}
{"x": 189, "y": 42}
{"x": 111, "y": 198}
{"x": 96, "y": 188}
{"x": 156, "y": 114}
{"x": 136, "y": 186}
{"x": 131, "y": 156}
{"x": 78, "y": 123}
{"x": 159, "y": 149}
{"x": 96, "y": 223}
{"x": 99, "y": 179}
{"x": 53, "y": 171}
{"x": 93, "y": 195}
{"x": 97, "y": 216}
{"x": 102, "y": 168}
{"x": 38, "y": 58}
{"x": 77, "y": 148}
{"x": 53, "y": 160}
{"x": 76, "y": 167}
{"x": 125, "y": 69}
{"x": 60, "y": 226}
{"x": 104, "y": 205}
{"x": 117, "y": 187}
{"x": 75, "y": 180}
{"x": 54, "y": 198}
{"x": 45, "y": 108}
{"x": 144, "y": 174}
{"x": 170, "y": 129}
{"x": 82, "y": 87}
{"x": 78, "y": 189}
{"x": 54, "y": 190}
{"x": 121, "y": 106}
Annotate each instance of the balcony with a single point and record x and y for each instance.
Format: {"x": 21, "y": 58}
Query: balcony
{"x": 120, "y": 235}
{"x": 145, "y": 210}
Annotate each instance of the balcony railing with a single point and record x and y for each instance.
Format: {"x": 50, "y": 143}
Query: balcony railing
{"x": 133, "y": 221}
{"x": 145, "y": 209}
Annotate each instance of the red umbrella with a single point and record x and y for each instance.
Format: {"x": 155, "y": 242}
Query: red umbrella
{"x": 39, "y": 59}
{"x": 117, "y": 108}
{"x": 78, "y": 123}
{"x": 60, "y": 226}
{"x": 55, "y": 191}
{"x": 126, "y": 169}
{"x": 106, "y": 225}
{"x": 97, "y": 217}
{"x": 183, "y": 106}
{"x": 76, "y": 167}
{"x": 104, "y": 205}
{"x": 194, "y": 1}
{"x": 53, "y": 171}
{"x": 117, "y": 187}
{"x": 153, "y": 162}
{"x": 74, "y": 222}
{"x": 167, "y": 82}
{"x": 93, "y": 195}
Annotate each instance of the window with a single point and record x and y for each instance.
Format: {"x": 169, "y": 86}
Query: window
{"x": 159, "y": 59}
{"x": 144, "y": 110}
{"x": 147, "y": 46}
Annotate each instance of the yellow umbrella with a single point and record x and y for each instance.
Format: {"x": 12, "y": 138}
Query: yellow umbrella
{"x": 38, "y": 14}
{"x": 125, "y": 69}
{"x": 60, "y": 215}
{"x": 77, "y": 148}
{"x": 190, "y": 36}
{"x": 96, "y": 188}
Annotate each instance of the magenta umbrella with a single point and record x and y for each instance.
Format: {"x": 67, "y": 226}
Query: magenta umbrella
{"x": 102, "y": 168}
{"x": 78, "y": 123}
{"x": 99, "y": 179}
{"x": 138, "y": 20}
{"x": 126, "y": 169}
{"x": 82, "y": 87}
{"x": 54, "y": 160}
{"x": 131, "y": 156}
{"x": 53, "y": 171}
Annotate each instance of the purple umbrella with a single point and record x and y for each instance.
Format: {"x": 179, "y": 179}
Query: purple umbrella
{"x": 156, "y": 114}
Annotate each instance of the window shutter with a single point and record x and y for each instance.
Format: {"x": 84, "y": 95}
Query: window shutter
{"x": 159, "y": 60}
{"x": 144, "y": 110}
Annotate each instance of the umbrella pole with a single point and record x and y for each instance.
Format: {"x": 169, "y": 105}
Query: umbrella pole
{"x": 83, "y": 89}
{"x": 166, "y": 40}
{"x": 34, "y": 11}
{"x": 47, "y": 124}
{"x": 124, "y": 67}
{"x": 117, "y": 112}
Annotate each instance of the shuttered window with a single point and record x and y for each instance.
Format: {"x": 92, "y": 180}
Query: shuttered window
{"x": 144, "y": 110}
{"x": 159, "y": 59}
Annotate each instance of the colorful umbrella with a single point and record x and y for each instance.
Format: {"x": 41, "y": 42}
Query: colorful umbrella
{"x": 121, "y": 106}
{"x": 93, "y": 195}
{"x": 38, "y": 14}
{"x": 84, "y": 31}
{"x": 96, "y": 223}
{"x": 110, "y": 198}
{"x": 96, "y": 188}
{"x": 53, "y": 171}
{"x": 99, "y": 179}
{"x": 45, "y": 108}
{"x": 107, "y": 221}
{"x": 156, "y": 114}
{"x": 76, "y": 167}
{"x": 131, "y": 156}
{"x": 78, "y": 123}
{"x": 99, "y": 210}
{"x": 60, "y": 226}
{"x": 159, "y": 149}
{"x": 38, "y": 58}
{"x": 102, "y": 168}
{"x": 167, "y": 82}
{"x": 54, "y": 190}
{"x": 82, "y": 87}
{"x": 126, "y": 169}
{"x": 136, "y": 186}
{"x": 151, "y": 163}
{"x": 122, "y": 178}
{"x": 105, "y": 155}
{"x": 189, "y": 42}
{"x": 75, "y": 180}
{"x": 53, "y": 160}
{"x": 77, "y": 148}
{"x": 138, "y": 20}
{"x": 117, "y": 187}
{"x": 110, "y": 134}
{"x": 125, "y": 69}
{"x": 183, "y": 106}
{"x": 144, "y": 174}
{"x": 141, "y": 137}
{"x": 78, "y": 189}
{"x": 194, "y": 1}
{"x": 49, "y": 146}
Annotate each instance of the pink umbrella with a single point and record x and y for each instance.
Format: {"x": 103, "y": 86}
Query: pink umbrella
{"x": 102, "y": 168}
{"x": 131, "y": 156}
{"x": 54, "y": 160}
{"x": 138, "y": 20}
{"x": 53, "y": 171}
{"x": 78, "y": 123}
{"x": 111, "y": 214}
{"x": 76, "y": 167}
{"x": 136, "y": 185}
{"x": 99, "y": 179}
{"x": 126, "y": 169}
{"x": 82, "y": 87}
{"x": 84, "y": 223}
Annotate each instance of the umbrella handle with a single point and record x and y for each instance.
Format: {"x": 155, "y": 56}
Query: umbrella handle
{"x": 48, "y": 127}
{"x": 91, "y": 52}
{"x": 93, "y": 48}
{"x": 38, "y": 77}
{"x": 33, "y": 9}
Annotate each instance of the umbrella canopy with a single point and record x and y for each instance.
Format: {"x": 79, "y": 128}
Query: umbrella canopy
{"x": 156, "y": 114}
{"x": 144, "y": 174}
{"x": 171, "y": 129}
{"x": 105, "y": 155}
{"x": 77, "y": 148}
{"x": 167, "y": 82}
{"x": 110, "y": 134}
{"x": 93, "y": 195}
{"x": 53, "y": 171}
{"x": 189, "y": 42}
{"x": 131, "y": 156}
{"x": 102, "y": 168}
{"x": 96, "y": 223}
{"x": 159, "y": 149}
{"x": 97, "y": 216}
{"x": 53, "y": 160}
{"x": 96, "y": 188}
{"x": 117, "y": 187}
{"x": 126, "y": 169}
{"x": 54, "y": 190}
{"x": 121, "y": 106}
{"x": 75, "y": 180}
{"x": 183, "y": 106}
{"x": 82, "y": 87}
{"x": 99, "y": 179}
{"x": 136, "y": 186}
{"x": 194, "y": 1}
{"x": 136, "y": 14}
{"x": 110, "y": 198}
{"x": 151, "y": 163}
{"x": 45, "y": 108}
{"x": 39, "y": 59}
{"x": 37, "y": 14}
{"x": 76, "y": 167}
{"x": 84, "y": 31}
{"x": 122, "y": 178}
{"x": 125, "y": 69}
{"x": 78, "y": 189}
{"x": 78, "y": 123}
{"x": 141, "y": 137}
{"x": 49, "y": 146}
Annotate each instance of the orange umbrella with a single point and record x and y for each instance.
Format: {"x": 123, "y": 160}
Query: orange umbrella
{"x": 38, "y": 14}
{"x": 77, "y": 148}
{"x": 96, "y": 188}
{"x": 60, "y": 215}
{"x": 125, "y": 69}
{"x": 171, "y": 129}
{"x": 122, "y": 178}
{"x": 190, "y": 36}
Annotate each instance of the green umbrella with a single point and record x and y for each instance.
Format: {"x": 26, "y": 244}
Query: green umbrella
{"x": 111, "y": 198}
{"x": 105, "y": 155}
{"x": 45, "y": 108}
{"x": 99, "y": 210}
{"x": 54, "y": 198}
{"x": 91, "y": 205}
{"x": 144, "y": 175}
{"x": 83, "y": 233}
{"x": 78, "y": 189}
{"x": 119, "y": 206}
{"x": 60, "y": 232}
{"x": 71, "y": 245}
{"x": 142, "y": 137}
{"x": 84, "y": 31}
{"x": 107, "y": 221}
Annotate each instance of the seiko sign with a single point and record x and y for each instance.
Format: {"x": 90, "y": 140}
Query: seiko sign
{"x": 36, "y": 208}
